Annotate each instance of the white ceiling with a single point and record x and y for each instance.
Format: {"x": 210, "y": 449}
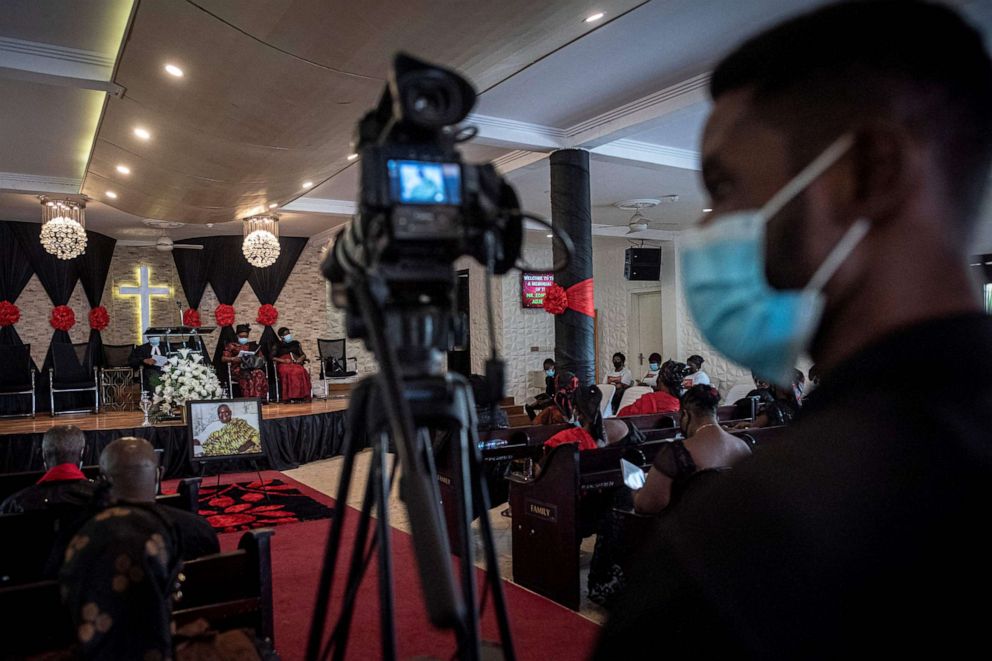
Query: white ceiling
{"x": 249, "y": 123}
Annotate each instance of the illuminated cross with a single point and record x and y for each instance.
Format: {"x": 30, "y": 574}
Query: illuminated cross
{"x": 144, "y": 291}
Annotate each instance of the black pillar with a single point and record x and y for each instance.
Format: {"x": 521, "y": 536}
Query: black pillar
{"x": 575, "y": 343}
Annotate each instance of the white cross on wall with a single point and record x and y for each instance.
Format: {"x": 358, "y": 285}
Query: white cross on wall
{"x": 145, "y": 291}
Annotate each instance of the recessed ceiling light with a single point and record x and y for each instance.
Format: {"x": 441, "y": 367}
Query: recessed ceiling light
{"x": 707, "y": 210}
{"x": 352, "y": 157}
{"x": 123, "y": 169}
{"x": 308, "y": 184}
{"x": 273, "y": 205}
{"x": 173, "y": 70}
{"x": 592, "y": 18}
{"x": 549, "y": 235}
{"x": 112, "y": 195}
{"x": 142, "y": 133}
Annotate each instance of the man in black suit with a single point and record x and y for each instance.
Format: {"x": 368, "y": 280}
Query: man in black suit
{"x": 148, "y": 358}
{"x": 63, "y": 484}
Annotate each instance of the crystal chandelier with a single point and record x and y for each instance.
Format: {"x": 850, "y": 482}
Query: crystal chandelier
{"x": 63, "y": 227}
{"x": 261, "y": 245}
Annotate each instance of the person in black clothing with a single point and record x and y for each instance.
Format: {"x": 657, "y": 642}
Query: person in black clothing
{"x": 862, "y": 533}
{"x": 63, "y": 484}
{"x": 130, "y": 466}
{"x": 146, "y": 357}
{"x": 545, "y": 399}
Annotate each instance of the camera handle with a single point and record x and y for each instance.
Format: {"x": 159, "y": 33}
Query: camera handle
{"x": 448, "y": 403}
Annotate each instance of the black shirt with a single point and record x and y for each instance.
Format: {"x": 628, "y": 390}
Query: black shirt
{"x": 43, "y": 496}
{"x": 863, "y": 533}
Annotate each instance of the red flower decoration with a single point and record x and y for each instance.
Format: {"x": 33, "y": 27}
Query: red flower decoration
{"x": 99, "y": 319}
{"x": 224, "y": 314}
{"x": 9, "y": 313}
{"x": 555, "y": 299}
{"x": 267, "y": 315}
{"x": 63, "y": 318}
{"x": 191, "y": 318}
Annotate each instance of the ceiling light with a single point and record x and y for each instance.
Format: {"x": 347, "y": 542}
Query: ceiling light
{"x": 352, "y": 157}
{"x": 142, "y": 133}
{"x": 308, "y": 184}
{"x": 707, "y": 210}
{"x": 261, "y": 244}
{"x": 63, "y": 231}
{"x": 273, "y": 205}
{"x": 112, "y": 195}
{"x": 173, "y": 70}
{"x": 592, "y": 18}
{"x": 549, "y": 235}
{"x": 123, "y": 169}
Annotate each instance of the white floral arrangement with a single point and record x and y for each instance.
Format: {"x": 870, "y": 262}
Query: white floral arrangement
{"x": 186, "y": 377}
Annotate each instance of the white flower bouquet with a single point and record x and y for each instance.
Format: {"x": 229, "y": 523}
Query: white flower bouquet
{"x": 186, "y": 377}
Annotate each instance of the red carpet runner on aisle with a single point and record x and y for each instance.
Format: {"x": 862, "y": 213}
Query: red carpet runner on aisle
{"x": 542, "y": 630}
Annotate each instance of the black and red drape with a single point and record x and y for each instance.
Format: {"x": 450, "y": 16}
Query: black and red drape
{"x": 268, "y": 283}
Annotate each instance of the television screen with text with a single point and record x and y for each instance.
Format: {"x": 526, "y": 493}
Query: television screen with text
{"x": 533, "y": 287}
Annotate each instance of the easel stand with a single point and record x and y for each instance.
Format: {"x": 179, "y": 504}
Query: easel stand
{"x": 436, "y": 403}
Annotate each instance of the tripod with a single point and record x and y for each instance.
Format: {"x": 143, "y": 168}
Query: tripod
{"x": 415, "y": 406}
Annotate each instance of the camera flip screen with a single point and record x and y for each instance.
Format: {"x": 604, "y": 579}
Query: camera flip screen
{"x": 425, "y": 182}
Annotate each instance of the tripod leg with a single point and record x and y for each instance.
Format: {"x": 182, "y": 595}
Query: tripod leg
{"x": 381, "y": 475}
{"x": 470, "y": 645}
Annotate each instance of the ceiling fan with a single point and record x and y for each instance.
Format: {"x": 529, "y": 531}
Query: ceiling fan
{"x": 639, "y": 222}
{"x": 165, "y": 244}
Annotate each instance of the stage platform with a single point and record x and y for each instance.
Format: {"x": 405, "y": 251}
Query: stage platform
{"x": 294, "y": 434}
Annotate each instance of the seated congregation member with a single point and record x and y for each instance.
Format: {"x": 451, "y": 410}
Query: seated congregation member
{"x": 63, "y": 483}
{"x": 665, "y": 398}
{"x": 149, "y": 358}
{"x": 131, "y": 469}
{"x": 621, "y": 377}
{"x": 545, "y": 399}
{"x": 696, "y": 374}
{"x": 778, "y": 406}
{"x": 873, "y": 146}
{"x": 247, "y": 370}
{"x": 294, "y": 379}
{"x": 593, "y": 431}
{"x": 488, "y": 417}
{"x": 650, "y": 378}
{"x": 705, "y": 445}
{"x": 563, "y": 408}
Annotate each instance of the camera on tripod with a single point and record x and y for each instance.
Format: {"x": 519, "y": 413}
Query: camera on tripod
{"x": 420, "y": 207}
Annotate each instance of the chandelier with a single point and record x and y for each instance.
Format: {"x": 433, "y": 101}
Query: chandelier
{"x": 63, "y": 227}
{"x": 261, "y": 244}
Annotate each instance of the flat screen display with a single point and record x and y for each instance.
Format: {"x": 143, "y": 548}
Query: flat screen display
{"x": 425, "y": 182}
{"x": 533, "y": 287}
{"x": 224, "y": 428}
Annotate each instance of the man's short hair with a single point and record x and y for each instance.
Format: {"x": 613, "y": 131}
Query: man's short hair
{"x": 819, "y": 74}
{"x": 62, "y": 444}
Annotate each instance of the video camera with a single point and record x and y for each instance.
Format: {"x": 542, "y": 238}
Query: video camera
{"x": 420, "y": 208}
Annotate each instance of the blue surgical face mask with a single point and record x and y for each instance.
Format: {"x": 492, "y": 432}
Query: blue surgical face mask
{"x": 287, "y": 338}
{"x": 736, "y": 310}
{"x": 550, "y": 373}
{"x": 154, "y": 341}
{"x": 654, "y": 367}
{"x": 242, "y": 340}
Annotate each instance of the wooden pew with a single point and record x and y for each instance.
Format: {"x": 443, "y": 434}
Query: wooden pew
{"x": 24, "y": 560}
{"x": 228, "y": 589}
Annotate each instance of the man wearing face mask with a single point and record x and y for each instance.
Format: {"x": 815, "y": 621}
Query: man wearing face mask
{"x": 846, "y": 154}
{"x": 149, "y": 358}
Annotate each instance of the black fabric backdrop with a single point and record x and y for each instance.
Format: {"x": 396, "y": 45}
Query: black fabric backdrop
{"x": 94, "y": 266}
{"x": 15, "y": 271}
{"x": 267, "y": 283}
{"x": 193, "y": 268}
{"x": 288, "y": 442}
{"x": 575, "y": 345}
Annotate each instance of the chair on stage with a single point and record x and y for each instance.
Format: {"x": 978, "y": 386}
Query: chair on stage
{"x": 17, "y": 375}
{"x": 69, "y": 373}
{"x": 334, "y": 362}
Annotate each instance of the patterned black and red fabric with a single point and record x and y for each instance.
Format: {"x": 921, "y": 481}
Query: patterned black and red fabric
{"x": 259, "y": 504}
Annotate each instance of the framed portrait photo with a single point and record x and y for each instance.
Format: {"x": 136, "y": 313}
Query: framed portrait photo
{"x": 224, "y": 429}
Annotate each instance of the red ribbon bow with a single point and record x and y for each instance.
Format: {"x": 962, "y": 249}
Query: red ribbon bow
{"x": 578, "y": 297}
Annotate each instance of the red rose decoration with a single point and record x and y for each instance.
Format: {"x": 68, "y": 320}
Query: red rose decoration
{"x": 224, "y": 314}
{"x": 191, "y": 318}
{"x": 99, "y": 319}
{"x": 9, "y": 313}
{"x": 63, "y": 318}
{"x": 555, "y": 299}
{"x": 267, "y": 315}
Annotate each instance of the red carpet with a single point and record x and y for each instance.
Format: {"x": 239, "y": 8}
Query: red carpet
{"x": 542, "y": 630}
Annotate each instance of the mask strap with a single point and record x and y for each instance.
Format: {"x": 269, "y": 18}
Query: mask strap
{"x": 807, "y": 175}
{"x": 852, "y": 237}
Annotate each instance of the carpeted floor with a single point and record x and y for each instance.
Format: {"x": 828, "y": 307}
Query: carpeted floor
{"x": 542, "y": 630}
{"x": 258, "y": 504}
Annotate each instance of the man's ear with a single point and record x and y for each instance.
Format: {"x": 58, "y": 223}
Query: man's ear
{"x": 887, "y": 170}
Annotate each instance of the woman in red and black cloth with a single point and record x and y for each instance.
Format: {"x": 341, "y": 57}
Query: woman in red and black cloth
{"x": 294, "y": 379}
{"x": 249, "y": 372}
